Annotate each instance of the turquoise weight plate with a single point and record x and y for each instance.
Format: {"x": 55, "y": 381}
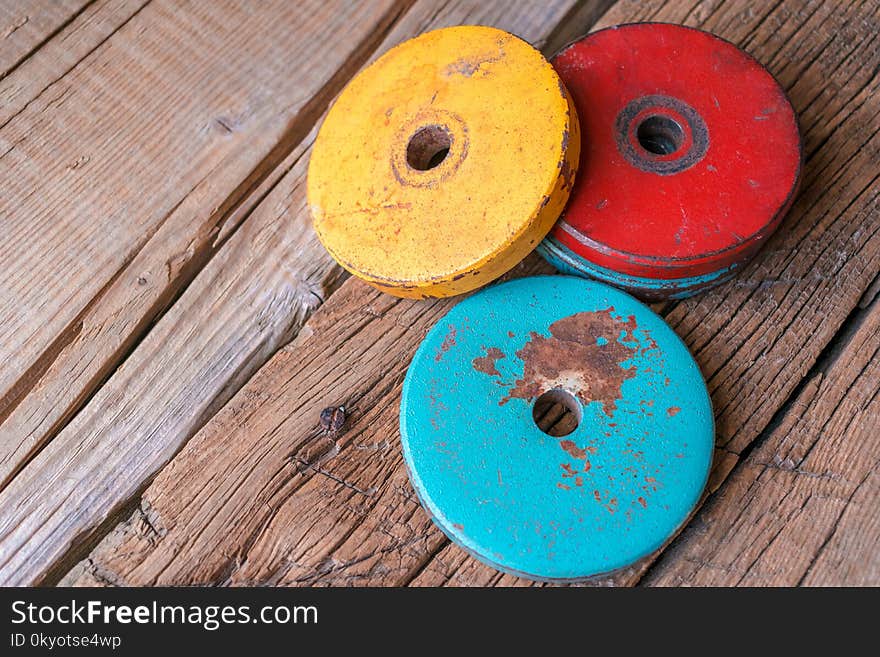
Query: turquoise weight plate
{"x": 556, "y": 508}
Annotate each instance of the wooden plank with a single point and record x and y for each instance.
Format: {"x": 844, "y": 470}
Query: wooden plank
{"x": 523, "y": 17}
{"x": 64, "y": 49}
{"x": 239, "y": 123}
{"x": 260, "y": 496}
{"x": 849, "y": 558}
{"x": 802, "y": 507}
{"x": 26, "y": 25}
{"x": 269, "y": 446}
{"x": 131, "y": 201}
{"x": 264, "y": 284}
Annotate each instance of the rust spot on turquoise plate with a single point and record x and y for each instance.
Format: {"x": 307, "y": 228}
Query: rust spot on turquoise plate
{"x": 486, "y": 364}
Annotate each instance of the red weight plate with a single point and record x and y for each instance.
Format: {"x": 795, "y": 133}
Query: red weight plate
{"x": 691, "y": 153}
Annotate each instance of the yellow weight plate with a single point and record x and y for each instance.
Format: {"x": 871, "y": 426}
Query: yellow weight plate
{"x": 444, "y": 163}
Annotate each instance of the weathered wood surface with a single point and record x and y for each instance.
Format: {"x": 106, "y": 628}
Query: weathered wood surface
{"x": 259, "y": 495}
{"x": 61, "y": 51}
{"x": 253, "y": 91}
{"x": 87, "y": 258}
{"x": 247, "y": 302}
{"x": 802, "y": 506}
{"x": 27, "y": 24}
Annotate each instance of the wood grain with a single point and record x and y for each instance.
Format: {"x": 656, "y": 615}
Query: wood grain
{"x": 105, "y": 256}
{"x": 287, "y": 505}
{"x": 25, "y": 25}
{"x": 229, "y": 130}
{"x": 802, "y": 507}
{"x": 527, "y": 19}
{"x": 61, "y": 51}
{"x": 277, "y": 464}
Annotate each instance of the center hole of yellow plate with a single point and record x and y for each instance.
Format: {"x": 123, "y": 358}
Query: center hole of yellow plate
{"x": 428, "y": 147}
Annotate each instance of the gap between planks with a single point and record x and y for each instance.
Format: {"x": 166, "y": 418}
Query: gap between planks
{"x": 27, "y": 25}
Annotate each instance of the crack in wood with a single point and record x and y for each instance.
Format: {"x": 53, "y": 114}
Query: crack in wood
{"x": 369, "y": 492}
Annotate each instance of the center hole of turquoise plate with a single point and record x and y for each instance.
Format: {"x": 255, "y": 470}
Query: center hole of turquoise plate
{"x": 557, "y": 412}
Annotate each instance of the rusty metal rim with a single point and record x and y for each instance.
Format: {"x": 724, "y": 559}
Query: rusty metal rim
{"x": 709, "y": 256}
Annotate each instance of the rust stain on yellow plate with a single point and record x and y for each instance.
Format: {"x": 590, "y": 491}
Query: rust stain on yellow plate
{"x": 444, "y": 163}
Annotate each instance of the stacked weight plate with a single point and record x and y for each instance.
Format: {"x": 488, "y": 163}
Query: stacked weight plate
{"x": 691, "y": 157}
